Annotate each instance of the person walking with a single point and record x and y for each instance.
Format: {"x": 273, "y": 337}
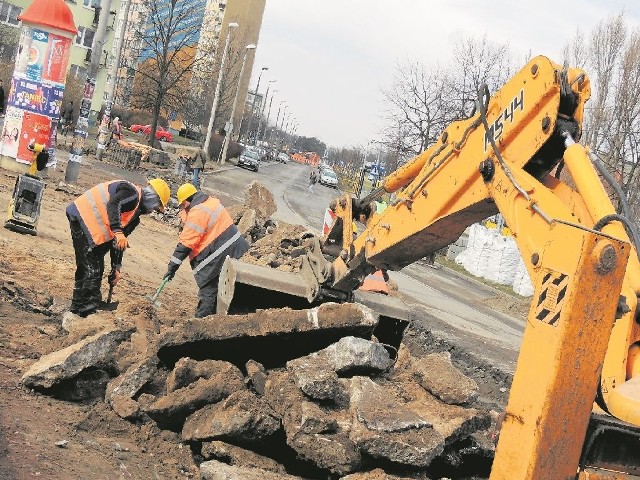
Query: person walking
{"x": 101, "y": 219}
{"x": 2, "y": 99}
{"x": 313, "y": 179}
{"x": 197, "y": 163}
{"x": 66, "y": 118}
{"x": 208, "y": 237}
{"x": 116, "y": 129}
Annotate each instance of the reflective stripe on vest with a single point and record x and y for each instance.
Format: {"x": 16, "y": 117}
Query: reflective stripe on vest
{"x": 375, "y": 283}
{"x": 92, "y": 206}
{"x": 205, "y": 222}
{"x": 216, "y": 253}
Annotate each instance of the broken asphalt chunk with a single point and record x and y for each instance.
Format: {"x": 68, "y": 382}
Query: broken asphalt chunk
{"x": 94, "y": 351}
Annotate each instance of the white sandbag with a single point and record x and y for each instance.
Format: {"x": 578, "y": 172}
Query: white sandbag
{"x": 522, "y": 284}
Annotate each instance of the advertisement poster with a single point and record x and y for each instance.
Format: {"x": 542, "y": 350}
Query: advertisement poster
{"x": 26, "y": 35}
{"x": 36, "y": 97}
{"x": 56, "y": 59}
{"x": 35, "y": 128}
{"x": 11, "y": 132}
{"x": 37, "y": 52}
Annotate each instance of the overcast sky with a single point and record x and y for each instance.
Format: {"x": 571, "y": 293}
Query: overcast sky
{"x": 332, "y": 58}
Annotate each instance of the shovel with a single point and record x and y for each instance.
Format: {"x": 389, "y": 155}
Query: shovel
{"x": 154, "y": 298}
{"x": 117, "y": 264}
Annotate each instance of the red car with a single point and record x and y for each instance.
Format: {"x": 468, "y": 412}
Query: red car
{"x": 161, "y": 133}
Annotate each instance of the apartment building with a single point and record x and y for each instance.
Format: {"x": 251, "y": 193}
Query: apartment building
{"x": 206, "y": 25}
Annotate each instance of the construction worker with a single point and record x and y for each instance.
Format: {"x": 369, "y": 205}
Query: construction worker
{"x": 101, "y": 219}
{"x": 207, "y": 238}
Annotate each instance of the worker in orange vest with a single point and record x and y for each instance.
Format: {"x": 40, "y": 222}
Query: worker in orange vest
{"x": 101, "y": 219}
{"x": 208, "y": 237}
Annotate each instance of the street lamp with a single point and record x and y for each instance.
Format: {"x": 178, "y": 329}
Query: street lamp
{"x": 264, "y": 104}
{"x": 266, "y": 122}
{"x": 227, "y": 137}
{"x": 279, "y": 131}
{"x": 253, "y": 106}
{"x": 216, "y": 96}
{"x": 277, "y": 118}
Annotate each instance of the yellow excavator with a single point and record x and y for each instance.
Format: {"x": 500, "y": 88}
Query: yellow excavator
{"x": 517, "y": 155}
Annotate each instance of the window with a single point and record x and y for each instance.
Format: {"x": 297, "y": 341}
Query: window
{"x": 91, "y": 3}
{"x": 84, "y": 38}
{"x": 9, "y": 14}
{"x": 77, "y": 71}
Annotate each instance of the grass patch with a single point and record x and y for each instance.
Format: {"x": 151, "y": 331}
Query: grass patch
{"x": 442, "y": 260}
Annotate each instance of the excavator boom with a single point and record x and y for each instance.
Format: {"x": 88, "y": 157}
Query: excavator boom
{"x": 582, "y": 339}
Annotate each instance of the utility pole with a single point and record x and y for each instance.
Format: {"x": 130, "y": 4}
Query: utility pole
{"x": 266, "y": 123}
{"x": 264, "y": 104}
{"x": 277, "y": 118}
{"x": 216, "y": 95}
{"x": 114, "y": 66}
{"x": 253, "y": 107}
{"x": 81, "y": 131}
{"x": 227, "y": 137}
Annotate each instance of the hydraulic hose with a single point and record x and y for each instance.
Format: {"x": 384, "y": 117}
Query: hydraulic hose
{"x": 626, "y": 210}
{"x": 632, "y": 232}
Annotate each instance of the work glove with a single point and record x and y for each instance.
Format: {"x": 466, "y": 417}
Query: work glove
{"x": 114, "y": 276}
{"x": 171, "y": 271}
{"x": 120, "y": 241}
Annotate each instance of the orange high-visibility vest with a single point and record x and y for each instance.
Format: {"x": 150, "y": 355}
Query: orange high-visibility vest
{"x": 203, "y": 225}
{"x": 375, "y": 283}
{"x": 92, "y": 206}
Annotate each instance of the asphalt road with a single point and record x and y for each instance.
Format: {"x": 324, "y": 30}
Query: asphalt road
{"x": 448, "y": 303}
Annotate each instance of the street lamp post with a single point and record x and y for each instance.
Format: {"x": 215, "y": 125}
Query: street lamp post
{"x": 227, "y": 137}
{"x": 266, "y": 122}
{"x": 279, "y": 132}
{"x": 253, "y": 107}
{"x": 277, "y": 118}
{"x": 216, "y": 95}
{"x": 264, "y": 104}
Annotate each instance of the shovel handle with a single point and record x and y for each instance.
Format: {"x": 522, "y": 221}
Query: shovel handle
{"x": 157, "y": 294}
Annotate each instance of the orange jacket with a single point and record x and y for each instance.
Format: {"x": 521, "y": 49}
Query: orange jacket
{"x": 92, "y": 207}
{"x": 375, "y": 283}
{"x": 203, "y": 225}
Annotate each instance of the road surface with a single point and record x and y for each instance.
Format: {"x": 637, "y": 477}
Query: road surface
{"x": 449, "y": 304}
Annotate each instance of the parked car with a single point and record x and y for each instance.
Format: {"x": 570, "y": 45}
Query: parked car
{"x": 161, "y": 133}
{"x": 328, "y": 178}
{"x": 250, "y": 159}
{"x": 283, "y": 157}
{"x": 191, "y": 134}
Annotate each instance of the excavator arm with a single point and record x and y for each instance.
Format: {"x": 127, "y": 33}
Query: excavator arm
{"x": 581, "y": 330}
{"x": 582, "y": 340}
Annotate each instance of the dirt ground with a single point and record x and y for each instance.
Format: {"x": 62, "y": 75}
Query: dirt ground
{"x": 36, "y": 279}
{"x": 54, "y": 439}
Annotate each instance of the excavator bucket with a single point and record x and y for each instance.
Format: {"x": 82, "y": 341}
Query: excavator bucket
{"x": 244, "y": 288}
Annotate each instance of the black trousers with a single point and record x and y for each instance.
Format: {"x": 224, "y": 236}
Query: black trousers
{"x": 208, "y": 298}
{"x": 89, "y": 271}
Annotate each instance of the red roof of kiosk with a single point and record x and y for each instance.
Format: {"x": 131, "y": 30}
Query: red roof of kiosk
{"x": 50, "y": 13}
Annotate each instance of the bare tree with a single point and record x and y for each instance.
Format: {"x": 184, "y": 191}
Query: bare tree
{"x": 196, "y": 107}
{"x": 418, "y": 102}
{"x": 168, "y": 52}
{"x": 422, "y": 102}
{"x": 610, "y": 55}
{"x": 477, "y": 62}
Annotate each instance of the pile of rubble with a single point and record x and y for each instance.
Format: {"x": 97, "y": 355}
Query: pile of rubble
{"x": 283, "y": 394}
